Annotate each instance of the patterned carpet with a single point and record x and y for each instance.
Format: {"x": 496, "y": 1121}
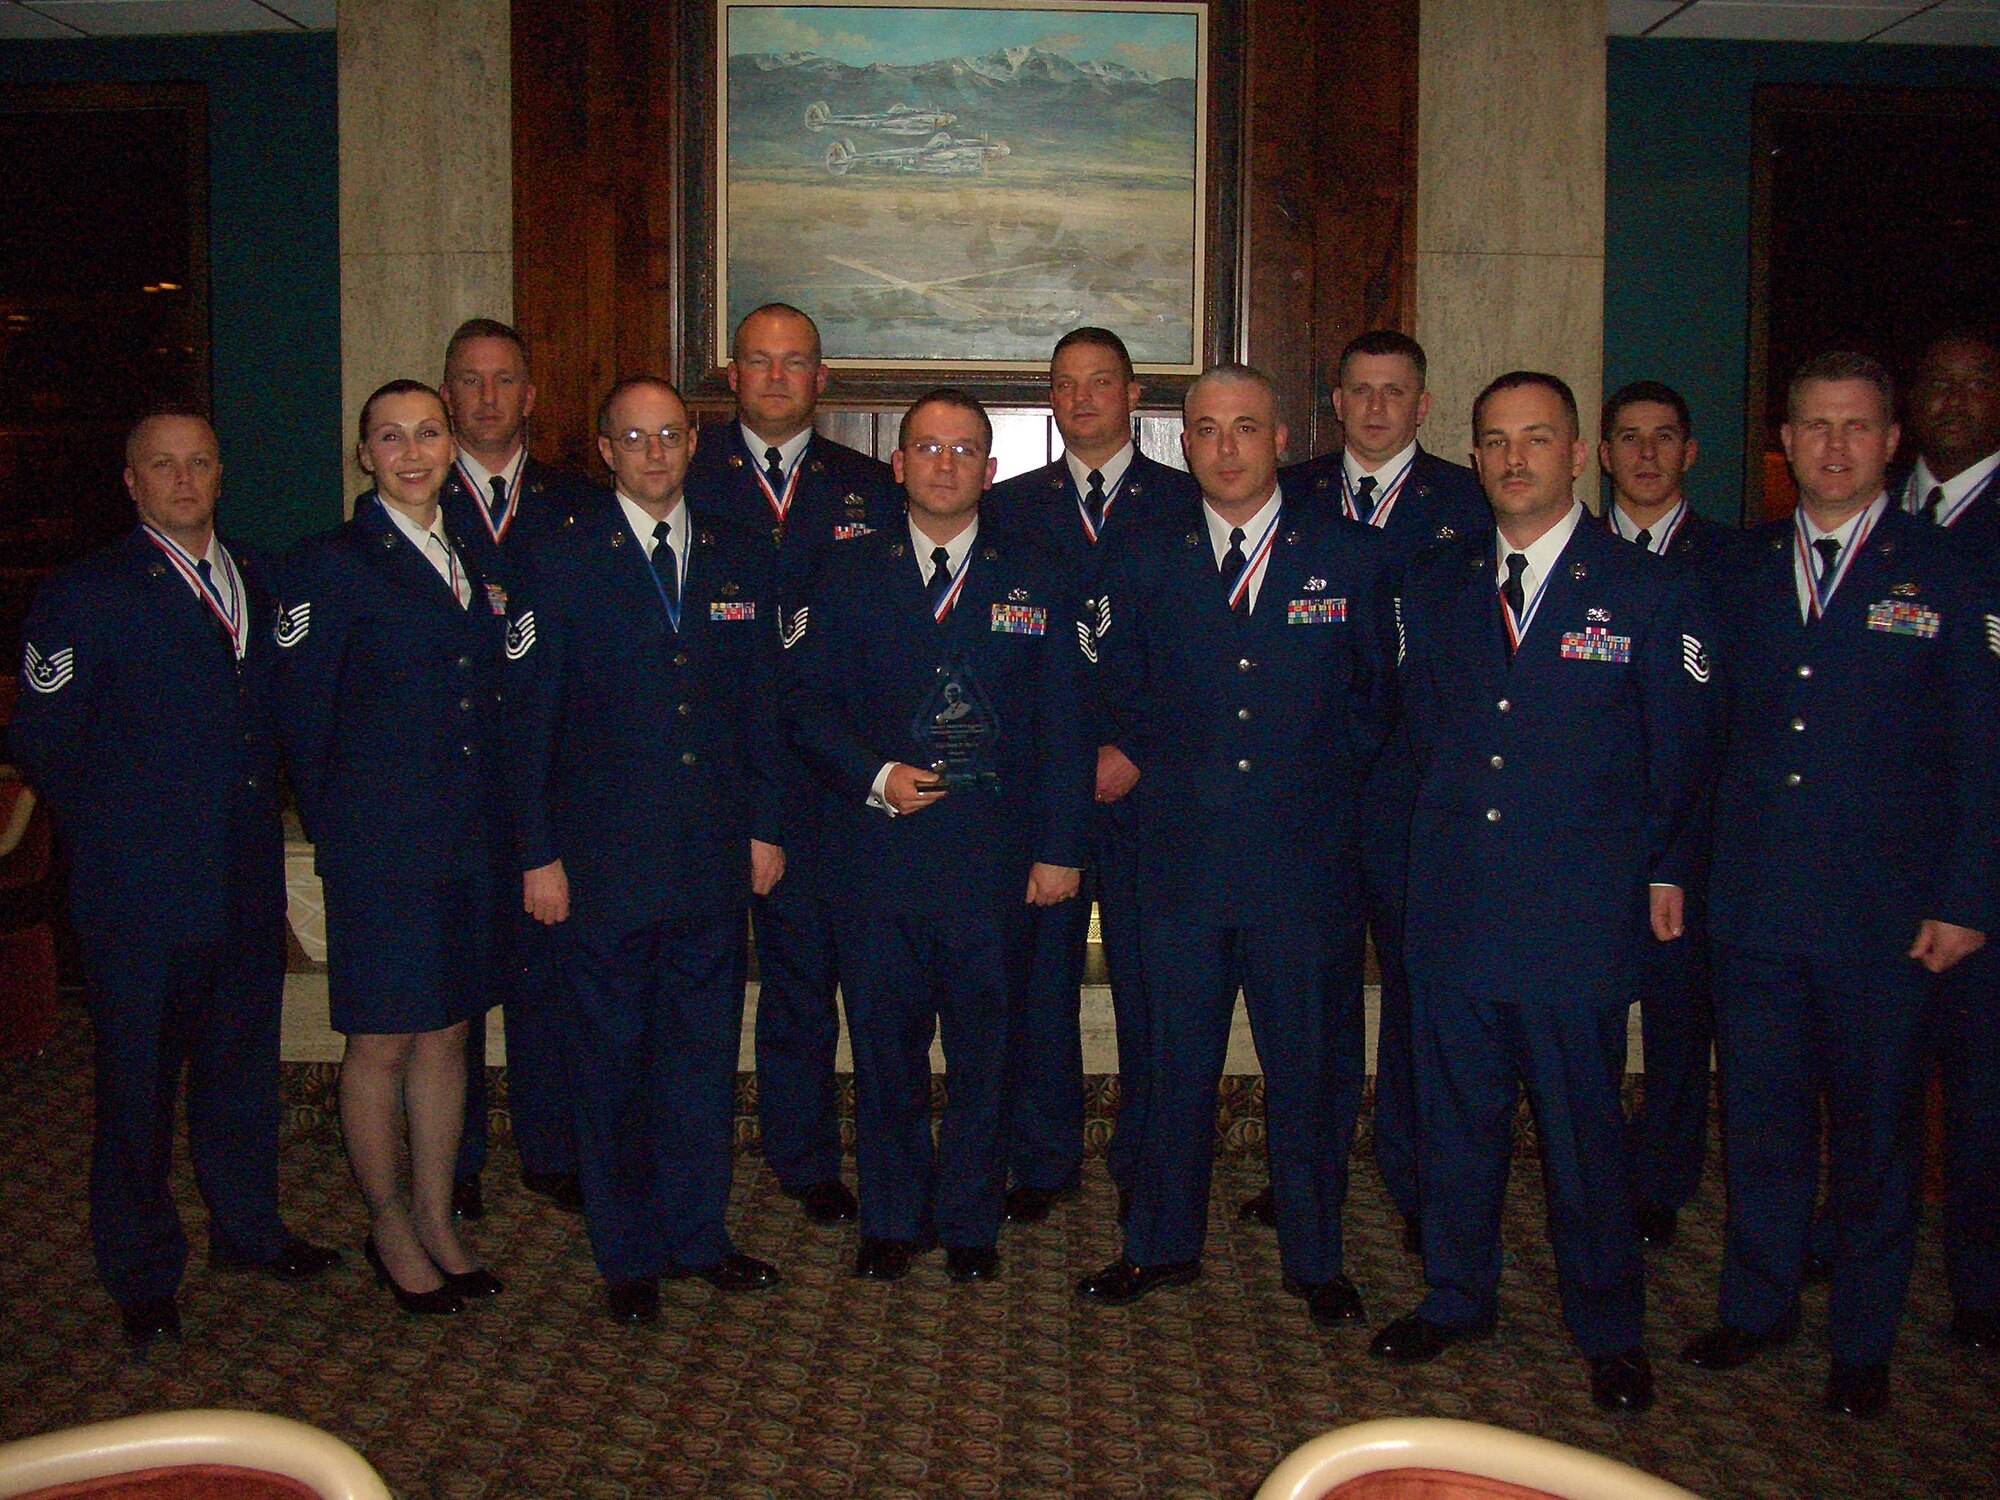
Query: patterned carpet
{"x": 828, "y": 1387}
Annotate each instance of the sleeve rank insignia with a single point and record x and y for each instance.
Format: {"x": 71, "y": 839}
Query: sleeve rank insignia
{"x": 291, "y": 624}
{"x": 51, "y": 673}
{"x": 1578, "y": 571}
{"x": 521, "y": 635}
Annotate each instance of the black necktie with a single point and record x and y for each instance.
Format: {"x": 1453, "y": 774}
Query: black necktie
{"x": 940, "y": 576}
{"x": 499, "y": 496}
{"x": 1364, "y": 496}
{"x": 1232, "y": 567}
{"x": 774, "y": 469}
{"x": 1093, "y": 501}
{"x": 207, "y": 573}
{"x": 664, "y": 565}
{"x": 1645, "y": 538}
{"x": 1934, "y": 503}
{"x": 1828, "y": 549}
{"x": 1511, "y": 590}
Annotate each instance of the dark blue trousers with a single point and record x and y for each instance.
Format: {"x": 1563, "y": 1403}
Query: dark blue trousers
{"x": 1786, "y": 1026}
{"x": 1474, "y": 1054}
{"x": 540, "y": 1096}
{"x": 1395, "y": 1078}
{"x": 1299, "y": 983}
{"x": 907, "y": 978}
{"x": 1045, "y": 1071}
{"x": 1966, "y": 1029}
{"x": 798, "y": 1032}
{"x": 654, "y": 1021}
{"x": 1670, "y": 1132}
{"x": 211, "y": 1010}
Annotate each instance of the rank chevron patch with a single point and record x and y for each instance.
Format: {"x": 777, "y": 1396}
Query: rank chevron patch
{"x": 792, "y": 631}
{"x": 292, "y": 623}
{"x": 1993, "y": 634}
{"x": 51, "y": 673}
{"x": 521, "y": 635}
{"x": 1694, "y": 659}
{"x": 1086, "y": 641}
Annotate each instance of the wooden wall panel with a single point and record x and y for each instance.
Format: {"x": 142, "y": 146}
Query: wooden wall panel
{"x": 1326, "y": 192}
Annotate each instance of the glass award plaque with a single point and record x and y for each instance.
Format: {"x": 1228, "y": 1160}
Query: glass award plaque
{"x": 956, "y": 730}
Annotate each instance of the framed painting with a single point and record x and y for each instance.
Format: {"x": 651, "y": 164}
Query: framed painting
{"x": 948, "y": 186}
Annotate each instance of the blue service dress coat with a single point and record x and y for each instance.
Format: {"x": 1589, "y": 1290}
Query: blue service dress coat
{"x": 835, "y": 494}
{"x": 1045, "y": 1108}
{"x": 389, "y": 694}
{"x": 152, "y": 744}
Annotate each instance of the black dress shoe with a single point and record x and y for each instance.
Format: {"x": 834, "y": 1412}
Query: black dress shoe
{"x": 1622, "y": 1382}
{"x": 828, "y": 1202}
{"x": 1262, "y": 1209}
{"x": 1413, "y": 1234}
{"x": 1121, "y": 1282}
{"x": 1031, "y": 1205}
{"x": 1857, "y": 1390}
{"x": 296, "y": 1260}
{"x": 560, "y": 1188}
{"x": 972, "y": 1263}
{"x": 634, "y": 1302}
{"x": 883, "y": 1260}
{"x": 1814, "y": 1267}
{"x": 1726, "y": 1348}
{"x": 437, "y": 1302}
{"x": 1412, "y": 1338}
{"x": 735, "y": 1272}
{"x": 1333, "y": 1301}
{"x": 1655, "y": 1222}
{"x": 149, "y": 1320}
{"x": 1976, "y": 1330}
{"x": 468, "y": 1202}
{"x": 476, "y": 1283}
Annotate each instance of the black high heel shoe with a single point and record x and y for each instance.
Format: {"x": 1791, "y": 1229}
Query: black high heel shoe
{"x": 478, "y": 1282}
{"x": 440, "y": 1300}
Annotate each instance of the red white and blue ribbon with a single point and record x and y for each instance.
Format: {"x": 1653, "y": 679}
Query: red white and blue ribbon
{"x": 1517, "y": 629}
{"x": 229, "y": 611}
{"x": 1818, "y": 598}
{"x": 1083, "y": 509}
{"x": 482, "y": 500}
{"x": 781, "y": 504}
{"x": 953, "y": 590}
{"x": 1385, "y": 499}
{"x": 1663, "y": 539}
{"x": 1239, "y": 591}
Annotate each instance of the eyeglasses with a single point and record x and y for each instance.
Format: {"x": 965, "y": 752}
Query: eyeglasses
{"x": 632, "y": 440}
{"x": 929, "y": 449}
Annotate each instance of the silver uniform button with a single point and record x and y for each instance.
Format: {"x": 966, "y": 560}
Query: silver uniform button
{"x": 1244, "y": 664}
{"x": 1243, "y": 765}
{"x": 1805, "y": 669}
{"x": 1798, "y": 723}
{"x": 1242, "y": 713}
{"x": 1503, "y": 705}
{"x": 1497, "y": 762}
{"x": 1492, "y": 814}
{"x": 1792, "y": 778}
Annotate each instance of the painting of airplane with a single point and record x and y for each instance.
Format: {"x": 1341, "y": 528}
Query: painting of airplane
{"x": 897, "y": 119}
{"x": 941, "y": 155}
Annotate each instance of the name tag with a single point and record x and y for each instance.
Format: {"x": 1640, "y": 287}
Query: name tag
{"x": 1021, "y": 619}
{"x": 1594, "y": 643}
{"x": 744, "y": 611}
{"x": 1316, "y": 612}
{"x": 1894, "y": 618}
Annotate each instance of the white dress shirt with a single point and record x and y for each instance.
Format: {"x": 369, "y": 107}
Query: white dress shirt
{"x": 1542, "y": 554}
{"x": 436, "y": 549}
{"x": 1957, "y": 490}
{"x": 1845, "y": 533}
{"x": 482, "y": 477}
{"x": 642, "y": 526}
{"x": 1657, "y": 535}
{"x": 1253, "y": 533}
{"x": 789, "y": 451}
{"x": 1113, "y": 469}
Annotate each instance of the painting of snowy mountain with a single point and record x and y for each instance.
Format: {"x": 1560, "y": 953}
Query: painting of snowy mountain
{"x": 943, "y": 185}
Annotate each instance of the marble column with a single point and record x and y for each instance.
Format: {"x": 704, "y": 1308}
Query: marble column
{"x": 1510, "y": 204}
{"x": 426, "y": 187}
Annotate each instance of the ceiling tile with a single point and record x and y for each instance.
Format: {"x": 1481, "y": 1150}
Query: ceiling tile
{"x": 1957, "y": 23}
{"x": 17, "y": 24}
{"x": 1770, "y": 21}
{"x": 162, "y": 17}
{"x": 1632, "y": 17}
{"x": 314, "y": 15}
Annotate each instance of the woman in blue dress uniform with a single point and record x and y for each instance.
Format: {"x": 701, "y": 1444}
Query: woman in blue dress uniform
{"x": 389, "y": 658}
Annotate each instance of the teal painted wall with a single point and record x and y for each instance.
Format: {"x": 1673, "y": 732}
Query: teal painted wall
{"x": 1677, "y": 213}
{"x": 274, "y": 255}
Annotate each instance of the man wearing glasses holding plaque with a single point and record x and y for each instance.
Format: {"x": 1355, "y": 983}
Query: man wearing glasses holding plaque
{"x": 938, "y": 700}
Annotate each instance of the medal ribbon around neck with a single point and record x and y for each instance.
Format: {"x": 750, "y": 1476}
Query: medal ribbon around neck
{"x": 1240, "y": 590}
{"x": 483, "y": 502}
{"x": 1385, "y": 501}
{"x": 1110, "y": 495}
{"x": 228, "y": 611}
{"x": 1517, "y": 629}
{"x": 1674, "y": 528}
{"x": 673, "y": 561}
{"x": 944, "y": 605}
{"x": 1915, "y": 503}
{"x": 1818, "y": 599}
{"x": 781, "y": 505}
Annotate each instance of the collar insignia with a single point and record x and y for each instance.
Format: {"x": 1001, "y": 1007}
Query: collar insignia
{"x": 735, "y": 460}
{"x": 988, "y": 554}
{"x": 1291, "y": 539}
{"x": 897, "y": 549}
{"x": 1578, "y": 571}
{"x": 1887, "y": 547}
{"x": 1193, "y": 540}
{"x": 1446, "y": 533}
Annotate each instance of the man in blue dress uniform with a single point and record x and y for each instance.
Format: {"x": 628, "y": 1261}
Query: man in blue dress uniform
{"x": 1243, "y": 652}
{"x": 1383, "y": 477}
{"x": 641, "y": 662}
{"x": 1556, "y": 691}
{"x": 1647, "y": 448}
{"x": 1856, "y": 790}
{"x": 1101, "y": 487}
{"x": 1955, "y": 417}
{"x": 502, "y": 499}
{"x": 770, "y": 472}
{"x": 938, "y": 697}
{"x": 144, "y": 723}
